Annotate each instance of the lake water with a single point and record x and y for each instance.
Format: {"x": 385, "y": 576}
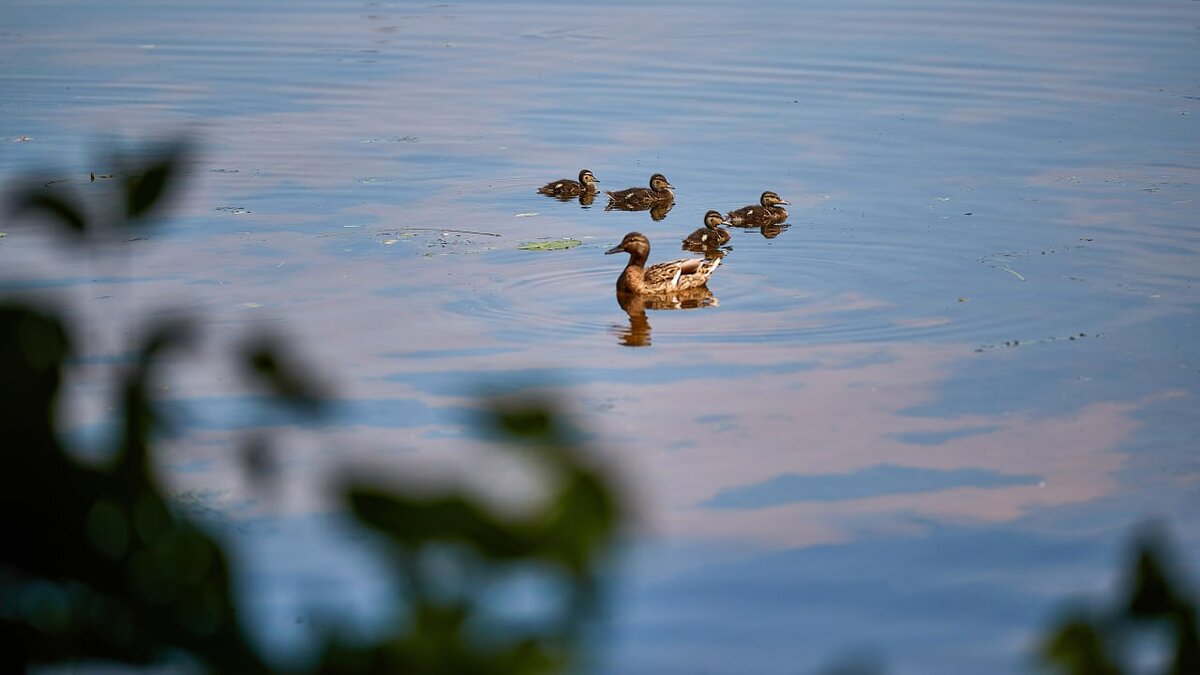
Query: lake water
{"x": 905, "y": 430}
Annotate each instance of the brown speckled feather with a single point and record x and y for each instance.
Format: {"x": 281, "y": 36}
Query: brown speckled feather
{"x": 663, "y": 277}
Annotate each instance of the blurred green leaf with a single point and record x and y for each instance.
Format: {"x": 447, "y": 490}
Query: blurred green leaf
{"x": 115, "y": 572}
{"x": 1153, "y": 603}
{"x": 146, "y": 186}
{"x": 525, "y": 422}
{"x": 1152, "y": 595}
{"x": 413, "y": 522}
{"x": 1077, "y": 647}
{"x": 62, "y": 208}
{"x": 266, "y": 358}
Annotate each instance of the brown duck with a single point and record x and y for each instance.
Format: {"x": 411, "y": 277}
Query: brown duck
{"x": 766, "y": 212}
{"x": 709, "y": 236}
{"x": 571, "y": 188}
{"x": 659, "y": 193}
{"x": 664, "y": 277}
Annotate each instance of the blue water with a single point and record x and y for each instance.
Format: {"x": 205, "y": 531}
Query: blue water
{"x": 909, "y": 427}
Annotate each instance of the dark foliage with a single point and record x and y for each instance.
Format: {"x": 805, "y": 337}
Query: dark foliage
{"x": 1096, "y": 642}
{"x": 98, "y": 565}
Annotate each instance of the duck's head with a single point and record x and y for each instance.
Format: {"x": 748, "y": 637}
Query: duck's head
{"x": 713, "y": 220}
{"x": 769, "y": 198}
{"x": 659, "y": 182}
{"x": 634, "y": 243}
{"x": 586, "y": 178}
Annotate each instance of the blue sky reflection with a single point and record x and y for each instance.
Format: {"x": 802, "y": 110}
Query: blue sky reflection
{"x": 882, "y": 479}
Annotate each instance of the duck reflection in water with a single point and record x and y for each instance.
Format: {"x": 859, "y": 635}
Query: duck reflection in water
{"x": 637, "y": 333}
{"x": 677, "y": 284}
{"x": 772, "y": 230}
{"x": 658, "y": 198}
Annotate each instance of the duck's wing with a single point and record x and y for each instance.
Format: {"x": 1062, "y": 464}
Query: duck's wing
{"x": 680, "y": 274}
{"x": 746, "y": 215}
{"x": 635, "y": 196}
{"x": 558, "y": 187}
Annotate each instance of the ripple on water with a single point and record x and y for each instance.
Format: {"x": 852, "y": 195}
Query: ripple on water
{"x": 810, "y": 285}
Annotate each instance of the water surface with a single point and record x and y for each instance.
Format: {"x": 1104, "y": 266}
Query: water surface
{"x": 908, "y": 426}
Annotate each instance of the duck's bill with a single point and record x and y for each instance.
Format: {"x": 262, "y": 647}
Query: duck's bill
{"x": 616, "y": 249}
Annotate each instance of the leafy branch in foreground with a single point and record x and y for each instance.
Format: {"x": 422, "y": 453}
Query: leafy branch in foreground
{"x": 1088, "y": 642}
{"x": 100, "y": 565}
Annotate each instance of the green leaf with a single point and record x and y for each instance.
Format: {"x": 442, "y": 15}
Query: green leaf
{"x": 413, "y": 522}
{"x": 61, "y": 208}
{"x": 144, "y": 189}
{"x": 266, "y": 358}
{"x": 1079, "y": 647}
{"x": 141, "y": 192}
{"x": 550, "y": 245}
{"x": 1152, "y": 594}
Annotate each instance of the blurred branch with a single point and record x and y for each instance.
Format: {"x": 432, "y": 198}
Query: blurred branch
{"x": 103, "y": 566}
{"x": 1091, "y": 642}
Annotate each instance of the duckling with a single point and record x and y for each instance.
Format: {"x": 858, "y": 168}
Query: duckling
{"x": 709, "y": 236}
{"x": 638, "y": 199}
{"x": 665, "y": 277}
{"x": 765, "y": 214}
{"x": 570, "y": 188}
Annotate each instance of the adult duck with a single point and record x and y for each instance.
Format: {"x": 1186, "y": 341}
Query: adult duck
{"x": 766, "y": 212}
{"x": 659, "y": 193}
{"x": 709, "y": 236}
{"x": 664, "y": 277}
{"x": 571, "y": 188}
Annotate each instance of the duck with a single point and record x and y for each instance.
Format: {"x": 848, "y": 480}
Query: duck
{"x": 709, "y": 236}
{"x": 571, "y": 188}
{"x": 637, "y": 199}
{"x": 661, "y": 278}
{"x": 766, "y": 212}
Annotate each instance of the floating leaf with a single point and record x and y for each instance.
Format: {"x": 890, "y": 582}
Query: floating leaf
{"x": 550, "y": 245}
